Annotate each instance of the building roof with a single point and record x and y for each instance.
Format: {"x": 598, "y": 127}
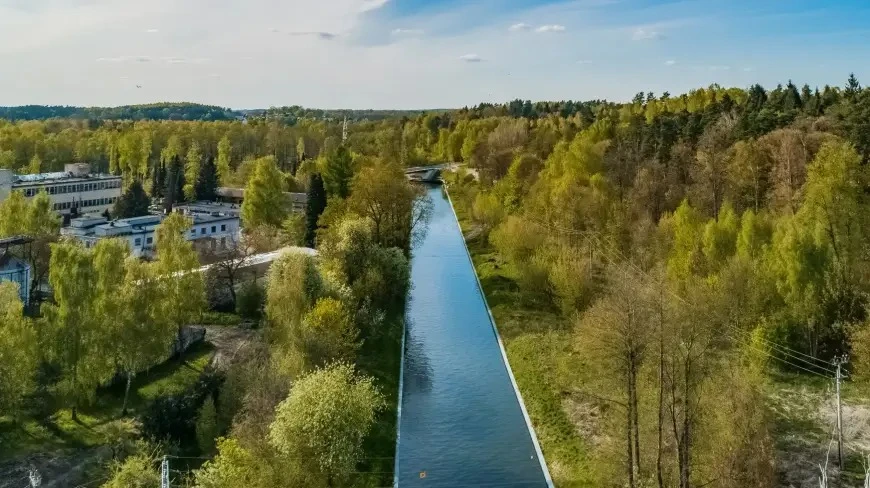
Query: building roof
{"x": 228, "y": 192}
{"x": 15, "y": 240}
{"x": 45, "y": 178}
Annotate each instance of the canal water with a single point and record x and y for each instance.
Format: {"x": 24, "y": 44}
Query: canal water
{"x": 461, "y": 423}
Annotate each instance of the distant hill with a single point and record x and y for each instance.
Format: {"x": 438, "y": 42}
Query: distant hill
{"x": 290, "y": 115}
{"x": 153, "y": 111}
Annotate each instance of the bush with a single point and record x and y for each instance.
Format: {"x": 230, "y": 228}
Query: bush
{"x": 250, "y": 300}
{"x": 206, "y": 425}
{"x": 173, "y": 417}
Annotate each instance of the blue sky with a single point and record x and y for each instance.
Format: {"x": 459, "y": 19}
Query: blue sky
{"x": 416, "y": 53}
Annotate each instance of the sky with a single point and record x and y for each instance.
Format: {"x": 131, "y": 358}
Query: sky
{"x": 414, "y": 54}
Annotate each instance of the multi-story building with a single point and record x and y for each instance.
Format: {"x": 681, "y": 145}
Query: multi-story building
{"x": 214, "y": 229}
{"x": 75, "y": 190}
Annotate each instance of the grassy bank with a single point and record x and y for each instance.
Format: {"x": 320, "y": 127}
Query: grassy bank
{"x": 101, "y": 422}
{"x": 381, "y": 358}
{"x": 539, "y": 348}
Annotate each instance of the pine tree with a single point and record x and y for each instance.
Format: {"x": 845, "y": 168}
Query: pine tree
{"x": 315, "y": 206}
{"x": 133, "y": 203}
{"x": 338, "y": 172}
{"x": 207, "y": 183}
{"x": 852, "y": 86}
{"x": 174, "y": 183}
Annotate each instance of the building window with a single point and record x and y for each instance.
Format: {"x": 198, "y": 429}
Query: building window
{"x": 138, "y": 242}
{"x": 149, "y": 240}
{"x": 223, "y": 227}
{"x": 202, "y": 231}
{"x": 213, "y": 229}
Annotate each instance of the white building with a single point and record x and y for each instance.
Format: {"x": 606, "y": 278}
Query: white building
{"x": 74, "y": 188}
{"x": 213, "y": 230}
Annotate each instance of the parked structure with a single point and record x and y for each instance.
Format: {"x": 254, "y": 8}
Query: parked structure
{"x": 75, "y": 190}
{"x": 215, "y": 228}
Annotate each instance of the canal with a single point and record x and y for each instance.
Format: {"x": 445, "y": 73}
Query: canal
{"x": 461, "y": 423}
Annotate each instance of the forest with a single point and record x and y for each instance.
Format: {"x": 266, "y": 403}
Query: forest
{"x": 674, "y": 276}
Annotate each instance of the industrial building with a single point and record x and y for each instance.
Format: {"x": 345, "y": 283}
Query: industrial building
{"x": 215, "y": 228}
{"x": 73, "y": 191}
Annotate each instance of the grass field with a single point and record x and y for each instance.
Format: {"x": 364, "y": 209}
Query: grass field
{"x": 98, "y": 423}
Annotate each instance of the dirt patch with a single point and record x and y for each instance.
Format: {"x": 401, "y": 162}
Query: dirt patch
{"x": 586, "y": 418}
{"x": 228, "y": 343}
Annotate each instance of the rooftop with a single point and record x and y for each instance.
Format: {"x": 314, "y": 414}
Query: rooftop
{"x": 52, "y": 177}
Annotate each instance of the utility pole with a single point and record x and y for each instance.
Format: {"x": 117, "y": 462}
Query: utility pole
{"x": 838, "y": 362}
{"x": 164, "y": 473}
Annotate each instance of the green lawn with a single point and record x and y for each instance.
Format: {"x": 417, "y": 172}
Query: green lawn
{"x": 102, "y": 420}
{"x": 540, "y": 350}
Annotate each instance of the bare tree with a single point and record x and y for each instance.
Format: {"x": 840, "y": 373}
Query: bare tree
{"x": 229, "y": 261}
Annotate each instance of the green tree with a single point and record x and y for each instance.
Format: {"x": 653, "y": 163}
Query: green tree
{"x": 327, "y": 333}
{"x": 393, "y": 207}
{"x": 265, "y": 203}
{"x": 144, "y": 333}
{"x": 177, "y": 264}
{"x": 78, "y": 341}
{"x": 314, "y": 207}
{"x": 685, "y": 255}
{"x": 224, "y": 159}
{"x": 192, "y": 166}
{"x": 43, "y": 225}
{"x": 18, "y": 348}
{"x": 324, "y": 421}
{"x": 137, "y": 471}
{"x": 35, "y": 165}
{"x": 133, "y": 203}
{"x": 207, "y": 182}
{"x": 13, "y": 215}
{"x": 719, "y": 240}
{"x": 294, "y": 285}
{"x": 338, "y": 172}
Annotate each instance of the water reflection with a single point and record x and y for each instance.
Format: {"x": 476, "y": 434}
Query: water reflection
{"x": 461, "y": 422}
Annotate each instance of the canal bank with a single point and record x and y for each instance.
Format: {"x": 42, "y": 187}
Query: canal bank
{"x": 461, "y": 417}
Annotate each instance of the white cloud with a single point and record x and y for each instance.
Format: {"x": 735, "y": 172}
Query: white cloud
{"x": 407, "y": 32}
{"x": 642, "y": 34}
{"x": 550, "y": 28}
{"x": 368, "y": 5}
{"x": 748, "y": 69}
{"x": 471, "y": 58}
{"x": 521, "y": 26}
{"x": 584, "y": 61}
{"x": 152, "y": 31}
{"x": 327, "y": 36}
{"x": 124, "y": 59}
{"x": 719, "y": 68}
{"x": 177, "y": 60}
{"x": 670, "y": 62}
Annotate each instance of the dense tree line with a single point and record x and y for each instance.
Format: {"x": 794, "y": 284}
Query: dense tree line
{"x": 154, "y": 111}
{"x": 686, "y": 240}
